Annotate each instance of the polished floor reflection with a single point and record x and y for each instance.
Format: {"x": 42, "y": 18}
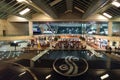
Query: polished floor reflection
{"x": 97, "y": 66}
{"x": 71, "y": 60}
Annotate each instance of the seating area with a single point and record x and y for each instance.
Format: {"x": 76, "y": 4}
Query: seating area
{"x": 4, "y": 55}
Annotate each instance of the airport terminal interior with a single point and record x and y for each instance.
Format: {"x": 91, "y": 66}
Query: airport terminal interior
{"x": 59, "y": 39}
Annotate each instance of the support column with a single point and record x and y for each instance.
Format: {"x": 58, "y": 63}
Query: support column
{"x": 31, "y": 63}
{"x": 108, "y": 63}
{"x": 98, "y": 28}
{"x": 110, "y": 31}
{"x": 110, "y": 28}
{"x": 30, "y": 28}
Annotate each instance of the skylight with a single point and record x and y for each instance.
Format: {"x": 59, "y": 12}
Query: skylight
{"x": 115, "y": 3}
{"x": 107, "y": 15}
{"x": 24, "y": 11}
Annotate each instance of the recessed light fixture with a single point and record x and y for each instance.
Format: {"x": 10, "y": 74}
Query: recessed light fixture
{"x": 22, "y": 73}
{"x": 24, "y": 11}
{"x": 20, "y": 0}
{"x": 115, "y": 3}
{"x": 107, "y": 15}
{"x": 48, "y": 76}
{"x": 104, "y": 76}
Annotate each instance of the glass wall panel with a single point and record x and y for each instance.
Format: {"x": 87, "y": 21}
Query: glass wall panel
{"x": 116, "y": 29}
{"x": 97, "y": 28}
{"x": 68, "y": 27}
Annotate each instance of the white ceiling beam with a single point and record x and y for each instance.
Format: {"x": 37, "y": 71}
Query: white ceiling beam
{"x": 54, "y": 2}
{"x": 79, "y": 9}
{"x": 95, "y": 7}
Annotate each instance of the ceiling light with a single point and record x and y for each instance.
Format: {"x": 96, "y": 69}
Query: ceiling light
{"x": 48, "y": 76}
{"x": 104, "y": 76}
{"x": 107, "y": 15}
{"x": 22, "y": 73}
{"x": 21, "y": 0}
{"x": 24, "y": 11}
{"x": 115, "y": 3}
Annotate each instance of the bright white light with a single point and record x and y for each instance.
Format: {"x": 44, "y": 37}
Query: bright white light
{"x": 22, "y": 73}
{"x": 4, "y": 50}
{"x": 48, "y": 76}
{"x": 115, "y": 3}
{"x": 15, "y": 41}
{"x": 21, "y": 0}
{"x": 107, "y": 15}
{"x": 24, "y": 11}
{"x": 104, "y": 76}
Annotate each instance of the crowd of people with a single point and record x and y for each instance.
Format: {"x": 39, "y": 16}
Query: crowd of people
{"x": 69, "y": 43}
{"x": 65, "y": 43}
{"x": 109, "y": 48}
{"x": 37, "y": 43}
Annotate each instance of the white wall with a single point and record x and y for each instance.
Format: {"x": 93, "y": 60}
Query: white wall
{"x": 17, "y": 28}
{"x": 14, "y": 28}
{"x": 97, "y": 17}
{"x": 16, "y": 25}
{"x": 68, "y": 17}
{"x": 2, "y": 26}
{"x": 12, "y": 18}
{"x": 41, "y": 17}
